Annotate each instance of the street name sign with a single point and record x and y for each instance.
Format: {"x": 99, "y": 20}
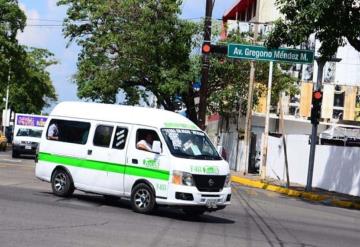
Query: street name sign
{"x": 254, "y": 52}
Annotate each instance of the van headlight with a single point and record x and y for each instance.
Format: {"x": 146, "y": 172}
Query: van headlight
{"x": 227, "y": 181}
{"x": 182, "y": 178}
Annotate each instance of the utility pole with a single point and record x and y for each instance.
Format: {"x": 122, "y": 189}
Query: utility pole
{"x": 205, "y": 66}
{"x": 7, "y": 101}
{"x": 267, "y": 122}
{"x": 248, "y": 120}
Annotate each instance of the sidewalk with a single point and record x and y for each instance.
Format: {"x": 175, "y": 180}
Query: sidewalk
{"x": 295, "y": 190}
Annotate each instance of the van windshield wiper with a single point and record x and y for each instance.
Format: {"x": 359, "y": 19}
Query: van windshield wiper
{"x": 184, "y": 155}
{"x": 207, "y": 156}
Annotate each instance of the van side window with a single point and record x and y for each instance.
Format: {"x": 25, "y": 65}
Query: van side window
{"x": 145, "y": 139}
{"x": 120, "y": 138}
{"x": 103, "y": 135}
{"x": 68, "y": 131}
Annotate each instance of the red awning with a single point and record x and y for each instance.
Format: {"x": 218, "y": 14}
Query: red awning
{"x": 238, "y": 7}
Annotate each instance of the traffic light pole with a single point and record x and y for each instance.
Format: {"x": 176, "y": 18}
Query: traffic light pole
{"x": 321, "y": 64}
{"x": 205, "y": 66}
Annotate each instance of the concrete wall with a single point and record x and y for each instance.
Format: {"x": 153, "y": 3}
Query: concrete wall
{"x": 267, "y": 11}
{"x": 336, "y": 168}
{"x": 228, "y": 137}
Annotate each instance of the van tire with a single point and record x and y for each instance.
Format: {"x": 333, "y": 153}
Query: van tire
{"x": 142, "y": 198}
{"x": 61, "y": 183}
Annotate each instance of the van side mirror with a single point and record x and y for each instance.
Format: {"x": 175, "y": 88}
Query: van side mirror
{"x": 219, "y": 149}
{"x": 222, "y": 152}
{"x": 156, "y": 147}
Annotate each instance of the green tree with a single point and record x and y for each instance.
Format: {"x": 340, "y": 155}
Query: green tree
{"x": 332, "y": 21}
{"x": 12, "y": 20}
{"x": 33, "y": 90}
{"x": 137, "y": 47}
{"x": 30, "y": 85}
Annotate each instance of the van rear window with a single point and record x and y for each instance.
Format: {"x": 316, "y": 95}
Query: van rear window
{"x": 68, "y": 131}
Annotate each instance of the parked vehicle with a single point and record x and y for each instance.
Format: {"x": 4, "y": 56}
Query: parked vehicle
{"x": 154, "y": 157}
{"x": 3, "y": 142}
{"x": 27, "y": 133}
{"x": 340, "y": 136}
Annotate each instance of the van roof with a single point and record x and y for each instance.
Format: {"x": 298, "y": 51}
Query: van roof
{"x": 123, "y": 114}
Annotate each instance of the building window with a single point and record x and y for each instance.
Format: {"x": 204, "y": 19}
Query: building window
{"x": 242, "y": 16}
{"x": 68, "y": 131}
{"x": 103, "y": 135}
{"x": 120, "y": 138}
{"x": 254, "y": 8}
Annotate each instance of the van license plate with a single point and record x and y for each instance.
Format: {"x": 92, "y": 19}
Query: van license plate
{"x": 211, "y": 203}
{"x": 27, "y": 147}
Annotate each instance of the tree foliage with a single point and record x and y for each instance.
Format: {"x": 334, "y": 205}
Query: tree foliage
{"x": 142, "y": 46}
{"x": 30, "y": 86}
{"x": 130, "y": 45}
{"x": 332, "y": 21}
{"x": 33, "y": 90}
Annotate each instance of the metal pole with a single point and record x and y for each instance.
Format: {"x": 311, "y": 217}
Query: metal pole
{"x": 266, "y": 131}
{"x": 6, "y": 102}
{"x": 205, "y": 67}
{"x": 248, "y": 120}
{"x": 318, "y": 84}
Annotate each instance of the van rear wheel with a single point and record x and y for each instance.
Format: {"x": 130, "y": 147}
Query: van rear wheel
{"x": 142, "y": 199}
{"x": 61, "y": 183}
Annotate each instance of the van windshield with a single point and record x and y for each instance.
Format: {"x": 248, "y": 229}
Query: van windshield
{"x": 29, "y": 133}
{"x": 190, "y": 144}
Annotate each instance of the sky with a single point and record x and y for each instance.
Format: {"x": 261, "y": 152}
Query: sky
{"x": 46, "y": 12}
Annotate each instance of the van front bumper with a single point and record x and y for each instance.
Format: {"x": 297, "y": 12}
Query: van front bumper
{"x": 179, "y": 195}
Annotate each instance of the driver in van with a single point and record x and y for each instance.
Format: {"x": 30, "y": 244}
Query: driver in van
{"x": 146, "y": 144}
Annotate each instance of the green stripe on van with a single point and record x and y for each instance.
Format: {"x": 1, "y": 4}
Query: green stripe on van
{"x": 106, "y": 166}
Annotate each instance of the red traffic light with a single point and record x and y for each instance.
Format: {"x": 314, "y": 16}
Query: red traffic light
{"x": 317, "y": 95}
{"x": 206, "y": 48}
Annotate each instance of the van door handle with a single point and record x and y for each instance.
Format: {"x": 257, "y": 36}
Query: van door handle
{"x": 134, "y": 161}
{"x": 89, "y": 152}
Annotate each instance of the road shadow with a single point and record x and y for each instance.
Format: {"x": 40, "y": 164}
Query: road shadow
{"x": 161, "y": 211}
{"x": 24, "y": 157}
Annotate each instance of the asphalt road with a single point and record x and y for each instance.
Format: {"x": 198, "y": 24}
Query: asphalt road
{"x": 31, "y": 216}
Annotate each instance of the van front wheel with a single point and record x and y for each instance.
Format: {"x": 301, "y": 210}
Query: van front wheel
{"x": 142, "y": 199}
{"x": 61, "y": 183}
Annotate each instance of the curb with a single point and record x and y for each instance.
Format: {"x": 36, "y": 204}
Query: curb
{"x": 295, "y": 193}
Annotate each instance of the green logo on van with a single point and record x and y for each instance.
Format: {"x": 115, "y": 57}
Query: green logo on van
{"x": 205, "y": 169}
{"x": 150, "y": 163}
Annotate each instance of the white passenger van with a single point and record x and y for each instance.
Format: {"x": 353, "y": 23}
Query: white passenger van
{"x": 154, "y": 157}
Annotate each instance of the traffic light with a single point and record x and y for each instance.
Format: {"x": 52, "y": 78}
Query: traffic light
{"x": 316, "y": 107}
{"x": 208, "y": 48}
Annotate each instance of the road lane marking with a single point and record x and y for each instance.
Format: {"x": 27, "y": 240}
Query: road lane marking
{"x": 4, "y": 165}
{"x": 10, "y": 160}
